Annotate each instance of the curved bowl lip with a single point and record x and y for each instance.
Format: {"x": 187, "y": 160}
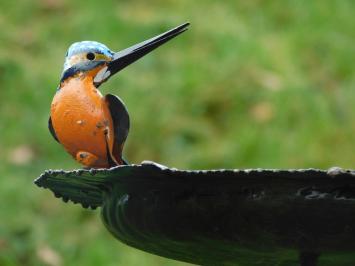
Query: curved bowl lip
{"x": 331, "y": 172}
{"x": 107, "y": 187}
{"x": 87, "y": 186}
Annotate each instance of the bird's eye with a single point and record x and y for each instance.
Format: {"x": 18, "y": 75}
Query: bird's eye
{"x": 90, "y": 56}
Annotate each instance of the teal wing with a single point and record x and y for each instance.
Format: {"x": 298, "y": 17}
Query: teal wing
{"x": 121, "y": 124}
{"x": 51, "y": 129}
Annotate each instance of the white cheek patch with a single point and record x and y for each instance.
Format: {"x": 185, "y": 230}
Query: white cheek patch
{"x": 73, "y": 60}
{"x": 102, "y": 75}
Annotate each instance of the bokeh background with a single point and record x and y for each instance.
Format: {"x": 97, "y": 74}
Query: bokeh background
{"x": 251, "y": 84}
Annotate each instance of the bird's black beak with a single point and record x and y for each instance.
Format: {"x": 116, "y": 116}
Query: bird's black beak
{"x": 127, "y": 56}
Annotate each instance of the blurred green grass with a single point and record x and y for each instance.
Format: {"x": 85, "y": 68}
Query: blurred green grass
{"x": 251, "y": 84}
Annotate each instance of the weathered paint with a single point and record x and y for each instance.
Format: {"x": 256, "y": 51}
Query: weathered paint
{"x": 82, "y": 121}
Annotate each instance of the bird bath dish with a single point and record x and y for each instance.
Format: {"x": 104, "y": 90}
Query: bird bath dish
{"x": 221, "y": 217}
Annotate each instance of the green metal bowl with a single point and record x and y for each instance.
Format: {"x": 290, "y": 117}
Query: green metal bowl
{"x": 221, "y": 217}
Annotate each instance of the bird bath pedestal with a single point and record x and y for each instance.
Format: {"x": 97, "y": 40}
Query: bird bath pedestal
{"x": 221, "y": 217}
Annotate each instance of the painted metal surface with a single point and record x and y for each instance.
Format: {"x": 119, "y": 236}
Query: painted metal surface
{"x": 93, "y": 128}
{"x": 221, "y": 217}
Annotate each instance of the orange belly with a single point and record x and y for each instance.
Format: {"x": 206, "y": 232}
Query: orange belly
{"x": 82, "y": 121}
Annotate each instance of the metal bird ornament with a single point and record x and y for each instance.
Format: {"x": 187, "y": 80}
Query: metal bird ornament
{"x": 93, "y": 128}
{"x": 240, "y": 217}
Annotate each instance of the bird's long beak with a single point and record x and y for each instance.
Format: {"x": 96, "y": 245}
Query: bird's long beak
{"x": 127, "y": 56}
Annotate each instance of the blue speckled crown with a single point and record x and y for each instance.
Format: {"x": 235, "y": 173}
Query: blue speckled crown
{"x": 85, "y": 47}
{"x": 88, "y": 46}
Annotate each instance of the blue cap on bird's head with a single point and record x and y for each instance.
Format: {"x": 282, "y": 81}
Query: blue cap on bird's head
{"x": 86, "y": 49}
{"x": 88, "y": 55}
{"x": 84, "y": 46}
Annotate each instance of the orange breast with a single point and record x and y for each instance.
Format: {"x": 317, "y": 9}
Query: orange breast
{"x": 82, "y": 121}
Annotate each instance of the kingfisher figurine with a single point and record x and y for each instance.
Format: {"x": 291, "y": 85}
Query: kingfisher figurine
{"x": 93, "y": 128}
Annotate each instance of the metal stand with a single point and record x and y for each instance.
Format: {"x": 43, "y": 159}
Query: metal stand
{"x": 308, "y": 258}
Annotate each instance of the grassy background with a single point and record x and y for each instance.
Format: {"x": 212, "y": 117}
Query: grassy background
{"x": 251, "y": 84}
